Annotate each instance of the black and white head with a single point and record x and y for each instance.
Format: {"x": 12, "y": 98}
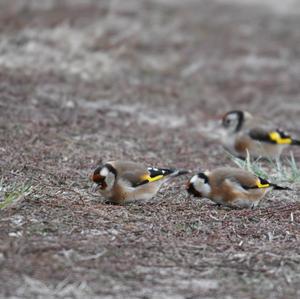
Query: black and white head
{"x": 104, "y": 177}
{"x": 199, "y": 185}
{"x": 233, "y": 121}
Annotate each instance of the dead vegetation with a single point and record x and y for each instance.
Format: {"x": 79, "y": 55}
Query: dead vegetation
{"x": 85, "y": 80}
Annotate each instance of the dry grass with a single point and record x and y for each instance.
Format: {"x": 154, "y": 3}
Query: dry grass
{"x": 94, "y": 80}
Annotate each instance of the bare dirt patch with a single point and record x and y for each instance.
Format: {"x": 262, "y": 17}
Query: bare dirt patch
{"x": 84, "y": 81}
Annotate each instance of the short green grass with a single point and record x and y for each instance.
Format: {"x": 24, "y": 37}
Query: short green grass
{"x": 10, "y": 193}
{"x": 277, "y": 171}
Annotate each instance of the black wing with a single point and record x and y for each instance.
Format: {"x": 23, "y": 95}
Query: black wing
{"x": 274, "y": 137}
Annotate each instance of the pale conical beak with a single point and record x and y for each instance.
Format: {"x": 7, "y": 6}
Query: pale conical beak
{"x": 95, "y": 187}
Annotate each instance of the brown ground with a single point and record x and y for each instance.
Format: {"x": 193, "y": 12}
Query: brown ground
{"x": 84, "y": 81}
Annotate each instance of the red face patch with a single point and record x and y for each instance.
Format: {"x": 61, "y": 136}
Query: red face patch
{"x": 98, "y": 179}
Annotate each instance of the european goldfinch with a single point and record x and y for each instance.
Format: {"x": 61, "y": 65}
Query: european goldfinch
{"x": 231, "y": 187}
{"x": 123, "y": 181}
{"x": 241, "y": 132}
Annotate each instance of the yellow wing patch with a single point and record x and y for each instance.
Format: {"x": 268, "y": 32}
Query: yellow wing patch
{"x": 259, "y": 184}
{"x": 275, "y": 136}
{"x": 150, "y": 179}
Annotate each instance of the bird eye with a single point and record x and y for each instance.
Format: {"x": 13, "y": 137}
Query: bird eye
{"x": 226, "y": 122}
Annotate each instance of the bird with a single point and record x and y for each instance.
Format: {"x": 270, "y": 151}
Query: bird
{"x": 231, "y": 187}
{"x": 124, "y": 181}
{"x": 242, "y": 133}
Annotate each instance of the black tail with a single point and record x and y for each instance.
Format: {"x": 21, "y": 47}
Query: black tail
{"x": 164, "y": 172}
{"x": 276, "y": 187}
{"x": 179, "y": 172}
{"x": 295, "y": 142}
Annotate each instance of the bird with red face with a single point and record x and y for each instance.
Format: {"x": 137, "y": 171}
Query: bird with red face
{"x": 124, "y": 181}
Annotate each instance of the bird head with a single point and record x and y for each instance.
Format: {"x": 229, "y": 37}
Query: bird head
{"x": 198, "y": 185}
{"x": 233, "y": 120}
{"x": 104, "y": 177}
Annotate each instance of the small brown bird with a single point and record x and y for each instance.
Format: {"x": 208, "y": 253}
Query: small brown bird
{"x": 241, "y": 132}
{"x": 232, "y": 187}
{"x": 123, "y": 181}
